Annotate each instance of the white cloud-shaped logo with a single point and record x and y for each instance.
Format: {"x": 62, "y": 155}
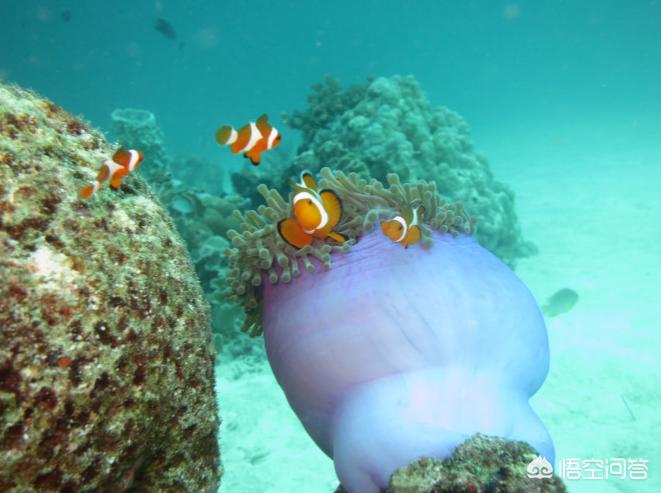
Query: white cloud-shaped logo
{"x": 539, "y": 468}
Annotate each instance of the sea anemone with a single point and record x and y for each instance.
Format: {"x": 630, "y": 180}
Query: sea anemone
{"x": 259, "y": 249}
{"x": 389, "y": 354}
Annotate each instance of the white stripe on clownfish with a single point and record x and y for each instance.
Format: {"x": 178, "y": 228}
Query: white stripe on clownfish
{"x": 113, "y": 167}
{"x": 135, "y": 158}
{"x": 233, "y": 136}
{"x": 415, "y": 217}
{"x": 255, "y": 136}
{"x": 272, "y": 135}
{"x": 405, "y": 228}
{"x": 96, "y": 185}
{"x": 312, "y": 196}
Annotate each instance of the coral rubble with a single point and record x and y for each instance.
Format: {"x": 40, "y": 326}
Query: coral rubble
{"x": 106, "y": 364}
{"x": 481, "y": 464}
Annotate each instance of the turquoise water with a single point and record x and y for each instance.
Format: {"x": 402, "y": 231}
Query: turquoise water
{"x": 563, "y": 99}
{"x": 496, "y": 63}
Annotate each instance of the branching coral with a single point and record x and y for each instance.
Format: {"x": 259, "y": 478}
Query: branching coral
{"x": 260, "y": 252}
{"x": 327, "y": 102}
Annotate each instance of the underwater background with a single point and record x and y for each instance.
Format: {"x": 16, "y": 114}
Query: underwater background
{"x": 562, "y": 99}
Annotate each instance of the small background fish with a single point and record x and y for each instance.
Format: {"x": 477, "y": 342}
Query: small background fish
{"x": 561, "y": 302}
{"x": 165, "y": 28}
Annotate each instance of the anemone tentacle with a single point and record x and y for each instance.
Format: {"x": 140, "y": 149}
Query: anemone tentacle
{"x": 259, "y": 251}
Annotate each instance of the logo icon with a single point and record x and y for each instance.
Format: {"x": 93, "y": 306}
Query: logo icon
{"x": 539, "y": 468}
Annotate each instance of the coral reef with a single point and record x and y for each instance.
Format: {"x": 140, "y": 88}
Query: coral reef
{"x": 106, "y": 364}
{"x": 139, "y": 129}
{"x": 204, "y": 220}
{"x": 388, "y": 126}
{"x": 199, "y": 173}
{"x": 481, "y": 464}
{"x": 328, "y": 102}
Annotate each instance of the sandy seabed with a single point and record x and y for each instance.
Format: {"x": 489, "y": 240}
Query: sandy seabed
{"x": 588, "y": 197}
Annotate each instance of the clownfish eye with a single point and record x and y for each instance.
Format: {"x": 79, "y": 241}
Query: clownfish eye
{"x": 400, "y": 227}
{"x": 309, "y": 202}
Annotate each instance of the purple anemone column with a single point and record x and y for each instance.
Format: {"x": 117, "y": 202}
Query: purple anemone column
{"x": 395, "y": 354}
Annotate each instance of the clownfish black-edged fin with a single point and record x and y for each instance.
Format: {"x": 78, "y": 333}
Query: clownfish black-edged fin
{"x": 339, "y": 237}
{"x": 262, "y": 125}
{"x": 421, "y": 213}
{"x": 333, "y": 206}
{"x": 253, "y": 156}
{"x": 308, "y": 180}
{"x": 292, "y": 233}
{"x": 412, "y": 236}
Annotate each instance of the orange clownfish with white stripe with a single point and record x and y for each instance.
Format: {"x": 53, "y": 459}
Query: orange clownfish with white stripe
{"x": 316, "y": 214}
{"x": 121, "y": 164}
{"x": 252, "y": 139}
{"x": 404, "y": 229}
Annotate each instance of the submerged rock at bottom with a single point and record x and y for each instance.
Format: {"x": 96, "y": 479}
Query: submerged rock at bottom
{"x": 481, "y": 464}
{"x": 106, "y": 366}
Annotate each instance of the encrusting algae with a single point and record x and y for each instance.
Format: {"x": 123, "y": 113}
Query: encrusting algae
{"x": 259, "y": 251}
{"x": 106, "y": 364}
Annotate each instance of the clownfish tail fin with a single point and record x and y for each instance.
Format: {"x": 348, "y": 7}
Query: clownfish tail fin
{"x": 226, "y": 135}
{"x": 292, "y": 233}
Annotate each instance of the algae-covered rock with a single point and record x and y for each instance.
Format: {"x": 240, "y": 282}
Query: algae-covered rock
{"x": 201, "y": 217}
{"x": 481, "y": 464}
{"x": 106, "y": 364}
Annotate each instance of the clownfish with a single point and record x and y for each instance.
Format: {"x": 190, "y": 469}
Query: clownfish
{"x": 121, "y": 164}
{"x": 251, "y": 140}
{"x": 315, "y": 215}
{"x": 404, "y": 229}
